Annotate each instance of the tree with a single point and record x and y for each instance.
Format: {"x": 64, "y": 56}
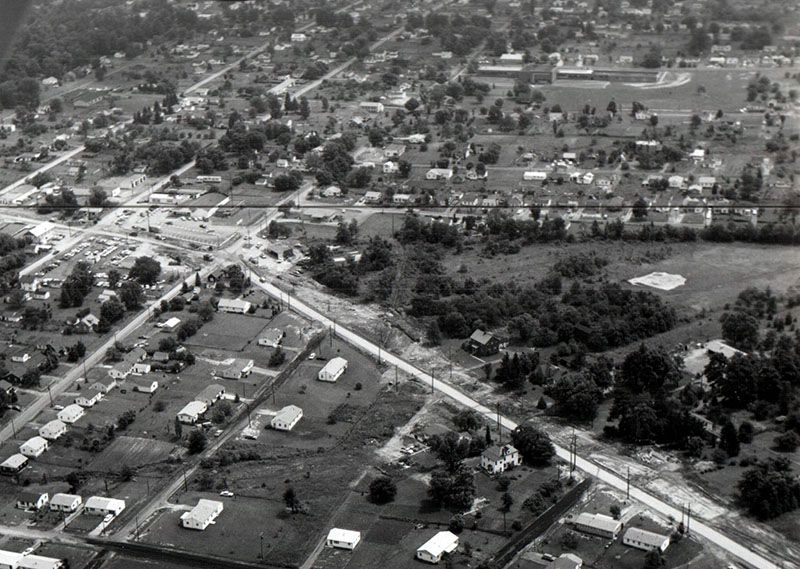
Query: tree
{"x": 304, "y": 109}
{"x": 575, "y": 396}
{"x": 178, "y": 428}
{"x": 111, "y": 311}
{"x": 639, "y": 209}
{"x": 746, "y": 432}
{"x": 277, "y": 357}
{"x": 787, "y": 442}
{"x": 533, "y": 444}
{"x": 197, "y": 442}
{"x": 769, "y": 489}
{"x": 454, "y": 490}
{"x": 131, "y": 295}
{"x": 654, "y": 559}
{"x": 740, "y": 330}
{"x": 98, "y": 197}
{"x": 30, "y": 378}
{"x": 382, "y": 490}
{"x": 16, "y": 299}
{"x": 467, "y": 420}
{"x": 291, "y": 500}
{"x": 145, "y": 270}
{"x": 506, "y": 502}
{"x": 729, "y": 439}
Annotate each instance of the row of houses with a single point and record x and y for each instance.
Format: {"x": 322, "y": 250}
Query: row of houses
{"x": 192, "y": 412}
{"x": 607, "y": 527}
{"x": 69, "y": 503}
{"x": 432, "y": 551}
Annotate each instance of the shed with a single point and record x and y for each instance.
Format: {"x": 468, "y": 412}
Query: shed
{"x": 343, "y": 538}
{"x": 441, "y": 543}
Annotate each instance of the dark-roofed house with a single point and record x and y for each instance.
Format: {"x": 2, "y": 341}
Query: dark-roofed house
{"x": 482, "y": 343}
{"x": 32, "y": 500}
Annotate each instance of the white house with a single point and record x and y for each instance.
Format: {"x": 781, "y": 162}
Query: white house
{"x": 645, "y": 540}
{"x": 34, "y": 447}
{"x": 390, "y": 167}
{"x": 401, "y": 198}
{"x": 333, "y": 370}
{"x": 29, "y": 283}
{"x": 343, "y": 538}
{"x": 394, "y": 150}
{"x": 171, "y": 324}
{"x": 566, "y": 561}
{"x": 599, "y": 525}
{"x": 439, "y": 174}
{"x": 675, "y": 181}
{"x": 372, "y": 107}
{"x": 13, "y": 464}
{"x": 441, "y": 543}
{"x": 65, "y": 502}
{"x": 89, "y": 398}
{"x": 202, "y": 515}
{"x": 32, "y": 500}
{"x": 534, "y": 176}
{"x": 332, "y": 192}
{"x": 233, "y": 305}
{"x": 52, "y": 430}
{"x": 191, "y": 412}
{"x": 373, "y": 197}
{"x": 707, "y": 182}
{"x": 70, "y": 414}
{"x": 9, "y": 559}
{"x": 102, "y": 506}
{"x": 272, "y": 338}
{"x": 497, "y": 459}
{"x": 105, "y": 385}
{"x": 287, "y": 418}
{"x": 145, "y": 386}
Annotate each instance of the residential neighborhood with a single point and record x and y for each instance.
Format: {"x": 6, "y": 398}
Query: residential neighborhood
{"x": 493, "y": 284}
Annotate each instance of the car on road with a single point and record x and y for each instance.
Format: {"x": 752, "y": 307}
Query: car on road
{"x": 226, "y": 493}
{"x": 312, "y": 355}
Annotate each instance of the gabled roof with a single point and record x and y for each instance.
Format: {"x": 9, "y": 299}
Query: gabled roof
{"x": 481, "y": 337}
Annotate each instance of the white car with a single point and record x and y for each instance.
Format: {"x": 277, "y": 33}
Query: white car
{"x": 312, "y": 355}
{"x": 226, "y": 493}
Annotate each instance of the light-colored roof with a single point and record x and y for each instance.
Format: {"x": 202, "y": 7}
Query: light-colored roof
{"x": 73, "y": 409}
{"x": 193, "y": 408}
{"x": 210, "y": 393}
{"x": 54, "y": 425}
{"x": 442, "y": 542}
{"x": 203, "y": 510}
{"x": 42, "y": 228}
{"x": 344, "y": 535}
{"x": 480, "y": 336}
{"x": 233, "y": 303}
{"x": 37, "y": 562}
{"x": 288, "y": 413}
{"x": 35, "y": 442}
{"x": 172, "y": 322}
{"x": 62, "y": 499}
{"x": 15, "y": 461}
{"x": 334, "y": 366}
{"x": 647, "y": 537}
{"x": 599, "y": 521}
{"x": 103, "y": 503}
{"x": 496, "y": 452}
{"x": 9, "y": 558}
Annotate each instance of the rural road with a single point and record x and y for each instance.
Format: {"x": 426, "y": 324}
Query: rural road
{"x": 698, "y": 527}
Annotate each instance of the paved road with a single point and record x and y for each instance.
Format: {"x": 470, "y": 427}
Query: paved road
{"x": 52, "y": 164}
{"x": 656, "y": 504}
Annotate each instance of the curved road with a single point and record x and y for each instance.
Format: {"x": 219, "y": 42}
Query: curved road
{"x": 731, "y": 546}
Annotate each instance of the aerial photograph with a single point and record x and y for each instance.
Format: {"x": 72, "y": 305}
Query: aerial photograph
{"x": 391, "y": 284}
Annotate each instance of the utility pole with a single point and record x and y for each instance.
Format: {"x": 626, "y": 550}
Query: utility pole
{"x": 431, "y": 381}
{"x": 248, "y": 414}
{"x": 688, "y": 518}
{"x": 628, "y": 490}
{"x": 13, "y": 428}
{"x": 396, "y": 387}
{"x": 185, "y": 483}
{"x": 450, "y": 358}
{"x": 499, "y": 426}
{"x": 50, "y": 393}
{"x": 261, "y": 537}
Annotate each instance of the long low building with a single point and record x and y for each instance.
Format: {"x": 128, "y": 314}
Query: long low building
{"x": 202, "y": 515}
{"x": 599, "y": 525}
{"x": 14, "y": 560}
{"x": 102, "y": 506}
{"x": 333, "y": 370}
{"x": 645, "y": 540}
